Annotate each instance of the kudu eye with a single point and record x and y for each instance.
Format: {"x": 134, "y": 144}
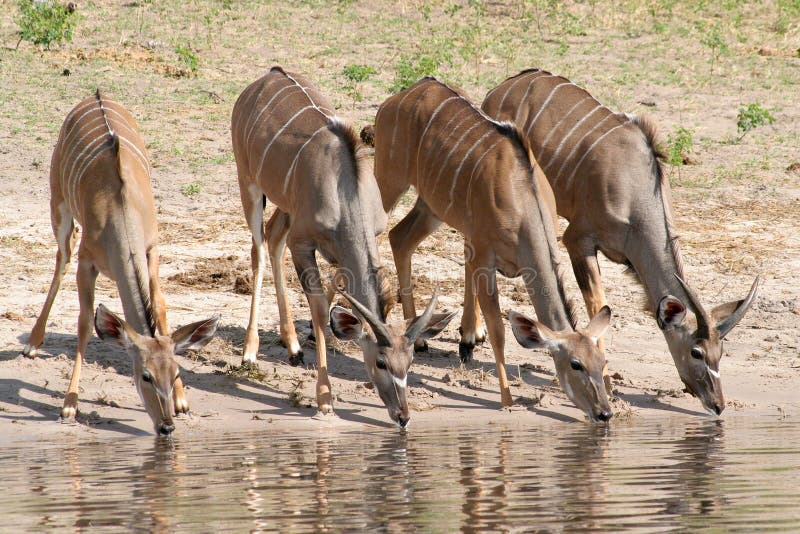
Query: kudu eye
{"x": 576, "y": 365}
{"x": 698, "y": 353}
{"x": 147, "y": 377}
{"x": 381, "y": 364}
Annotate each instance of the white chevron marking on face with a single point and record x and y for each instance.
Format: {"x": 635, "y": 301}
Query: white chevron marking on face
{"x": 400, "y": 383}
{"x": 712, "y": 372}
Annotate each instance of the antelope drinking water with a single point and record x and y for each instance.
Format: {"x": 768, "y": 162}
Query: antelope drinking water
{"x": 100, "y": 178}
{"x": 291, "y": 149}
{"x": 479, "y": 176}
{"x": 608, "y": 183}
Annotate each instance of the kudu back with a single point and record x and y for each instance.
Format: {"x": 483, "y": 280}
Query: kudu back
{"x": 290, "y": 148}
{"x": 100, "y": 179}
{"x": 479, "y": 177}
{"x": 606, "y": 174}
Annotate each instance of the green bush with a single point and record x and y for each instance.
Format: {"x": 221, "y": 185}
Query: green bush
{"x": 679, "y": 145}
{"x": 751, "y": 116}
{"x": 44, "y": 22}
{"x": 187, "y": 57}
{"x": 433, "y": 53}
{"x": 355, "y": 76}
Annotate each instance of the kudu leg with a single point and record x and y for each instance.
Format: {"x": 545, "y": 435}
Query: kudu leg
{"x": 254, "y": 212}
{"x": 66, "y": 236}
{"x": 418, "y": 224}
{"x": 307, "y": 270}
{"x": 583, "y": 256}
{"x": 484, "y": 279}
{"x": 472, "y": 330}
{"x": 277, "y": 228}
{"x": 87, "y": 276}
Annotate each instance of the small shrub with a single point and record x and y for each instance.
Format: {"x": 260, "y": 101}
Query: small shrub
{"x": 679, "y": 145}
{"x": 751, "y": 116}
{"x": 187, "y": 57}
{"x": 472, "y": 37}
{"x": 44, "y": 22}
{"x": 714, "y": 41}
{"x": 432, "y": 54}
{"x": 355, "y": 76}
{"x": 191, "y": 189}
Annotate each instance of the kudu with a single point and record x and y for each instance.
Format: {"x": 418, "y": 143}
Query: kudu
{"x": 608, "y": 181}
{"x": 100, "y": 178}
{"x": 292, "y": 150}
{"x": 479, "y": 177}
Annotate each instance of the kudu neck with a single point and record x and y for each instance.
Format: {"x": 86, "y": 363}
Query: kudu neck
{"x": 542, "y": 269}
{"x": 656, "y": 268}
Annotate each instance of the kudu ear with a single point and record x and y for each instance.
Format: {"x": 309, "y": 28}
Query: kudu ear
{"x": 599, "y": 323}
{"x": 728, "y": 315}
{"x": 671, "y": 313}
{"x": 110, "y": 327}
{"x": 345, "y": 325}
{"x": 195, "y": 335}
{"x": 529, "y": 333}
{"x": 437, "y": 323}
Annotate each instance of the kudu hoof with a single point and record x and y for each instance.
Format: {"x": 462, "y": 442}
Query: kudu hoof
{"x": 465, "y": 351}
{"x": 296, "y": 359}
{"x": 181, "y": 408}
{"x": 68, "y": 414}
{"x": 480, "y": 335}
{"x": 29, "y": 352}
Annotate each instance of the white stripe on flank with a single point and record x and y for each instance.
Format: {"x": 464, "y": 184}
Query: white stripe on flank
{"x": 589, "y": 150}
{"x": 297, "y": 156}
{"x": 544, "y": 105}
{"x": 452, "y": 150}
{"x": 307, "y": 95}
{"x": 79, "y": 144}
{"x": 430, "y": 121}
{"x": 138, "y": 153}
{"x": 249, "y": 133}
{"x": 74, "y": 178}
{"x": 453, "y": 130}
{"x": 511, "y": 86}
{"x": 525, "y": 96}
{"x": 91, "y": 103}
{"x": 564, "y": 117}
{"x": 578, "y": 124}
{"x": 274, "y": 137}
{"x": 123, "y": 121}
{"x": 458, "y": 170}
{"x": 397, "y": 117}
{"x": 472, "y": 176}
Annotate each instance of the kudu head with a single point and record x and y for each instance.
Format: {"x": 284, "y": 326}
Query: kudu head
{"x": 696, "y": 342}
{"x": 579, "y": 361}
{"x": 388, "y": 349}
{"x": 154, "y": 369}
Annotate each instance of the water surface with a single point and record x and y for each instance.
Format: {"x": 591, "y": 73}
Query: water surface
{"x": 669, "y": 474}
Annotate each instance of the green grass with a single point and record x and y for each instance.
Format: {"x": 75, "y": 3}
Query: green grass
{"x": 221, "y": 46}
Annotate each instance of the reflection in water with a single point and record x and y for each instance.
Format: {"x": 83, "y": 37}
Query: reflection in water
{"x": 682, "y": 474}
{"x": 699, "y": 458}
{"x": 581, "y": 462}
{"x": 483, "y": 478}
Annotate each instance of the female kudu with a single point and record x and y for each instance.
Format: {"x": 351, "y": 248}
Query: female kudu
{"x": 291, "y": 149}
{"x": 480, "y": 177}
{"x": 609, "y": 184}
{"x": 100, "y": 178}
